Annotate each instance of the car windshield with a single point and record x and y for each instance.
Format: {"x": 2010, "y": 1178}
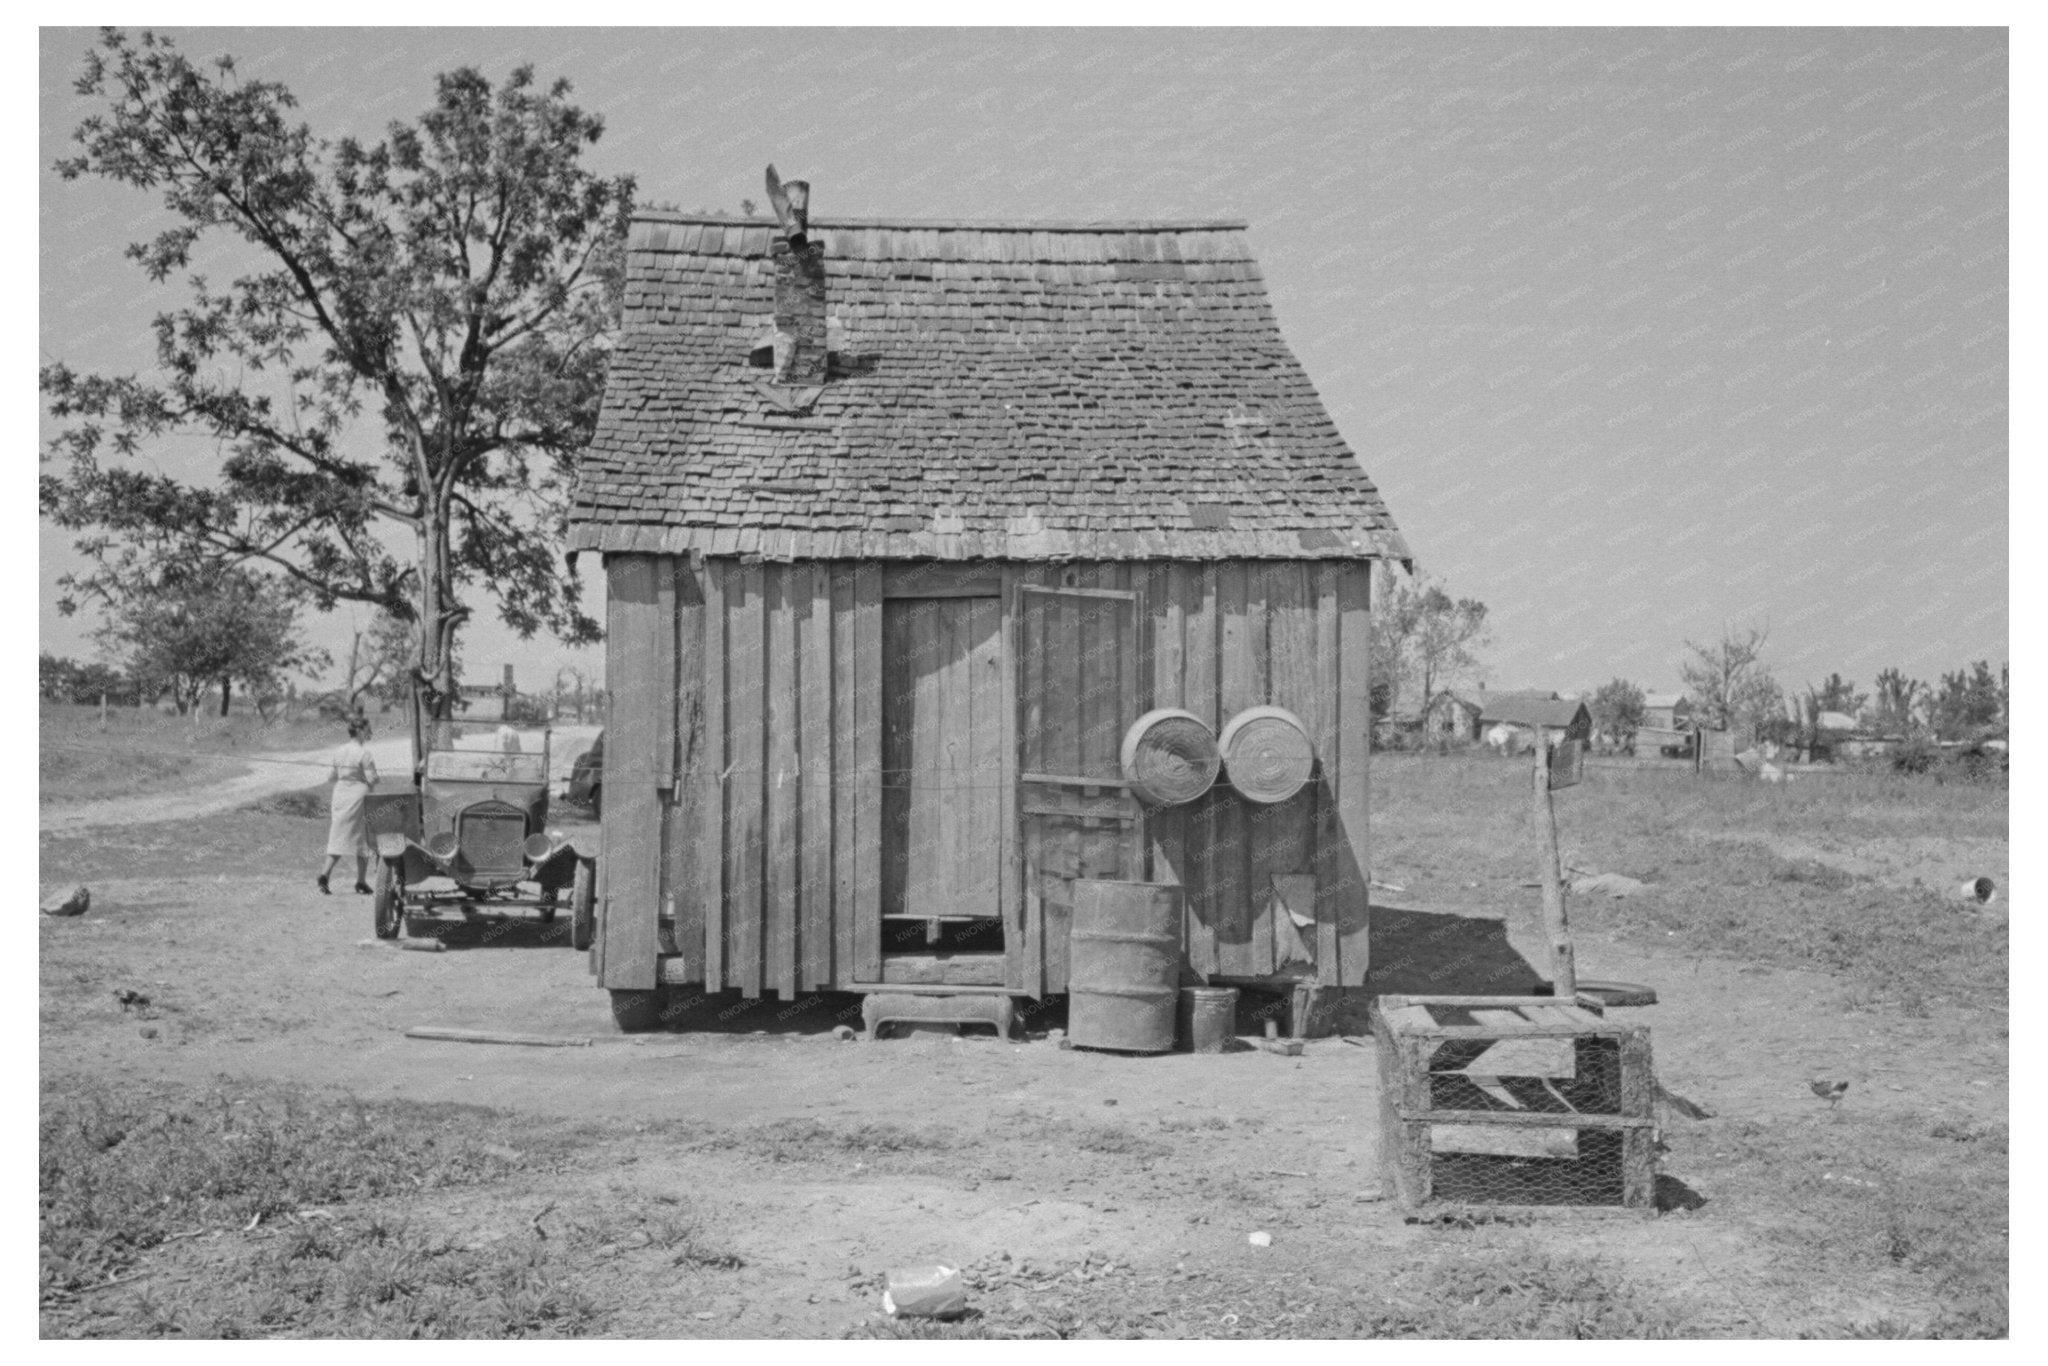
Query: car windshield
{"x": 475, "y": 752}
{"x": 487, "y": 766}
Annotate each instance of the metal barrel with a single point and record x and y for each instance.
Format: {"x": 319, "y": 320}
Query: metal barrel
{"x": 1208, "y": 1018}
{"x": 1123, "y": 973}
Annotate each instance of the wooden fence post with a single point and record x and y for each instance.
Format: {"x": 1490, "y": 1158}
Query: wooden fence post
{"x": 1563, "y": 971}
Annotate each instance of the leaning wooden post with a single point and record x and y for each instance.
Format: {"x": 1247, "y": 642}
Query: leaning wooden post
{"x": 1563, "y": 972}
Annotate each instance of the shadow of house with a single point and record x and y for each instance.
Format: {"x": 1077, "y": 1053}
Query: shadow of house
{"x": 1429, "y": 953}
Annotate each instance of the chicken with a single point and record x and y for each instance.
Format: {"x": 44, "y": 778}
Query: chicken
{"x": 1830, "y": 1091}
{"x": 129, "y": 997}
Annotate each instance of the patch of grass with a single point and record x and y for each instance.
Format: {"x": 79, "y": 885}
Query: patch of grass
{"x": 1518, "y": 1293}
{"x": 255, "y": 842}
{"x": 125, "y": 1167}
{"x": 1899, "y": 947}
{"x": 666, "y": 1225}
{"x": 1872, "y": 1194}
{"x": 312, "y": 803}
{"x": 367, "y": 1278}
{"x": 166, "y": 1188}
{"x": 143, "y": 750}
{"x": 1116, "y": 1139}
{"x": 808, "y": 1140}
{"x": 1449, "y": 1292}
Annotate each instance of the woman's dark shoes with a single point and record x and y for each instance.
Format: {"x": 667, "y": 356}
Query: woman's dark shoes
{"x": 363, "y": 887}
{"x": 321, "y": 883}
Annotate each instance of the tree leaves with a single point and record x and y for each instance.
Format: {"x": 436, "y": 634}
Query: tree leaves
{"x": 418, "y": 341}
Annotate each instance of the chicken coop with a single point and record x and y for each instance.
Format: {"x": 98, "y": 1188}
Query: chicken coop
{"x": 904, "y": 526}
{"x": 1514, "y": 1101}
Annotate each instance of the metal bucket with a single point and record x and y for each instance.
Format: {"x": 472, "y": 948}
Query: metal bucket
{"x": 1123, "y": 966}
{"x": 1208, "y": 1018}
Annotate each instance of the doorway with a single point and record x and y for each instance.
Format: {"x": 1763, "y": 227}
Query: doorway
{"x": 942, "y": 776}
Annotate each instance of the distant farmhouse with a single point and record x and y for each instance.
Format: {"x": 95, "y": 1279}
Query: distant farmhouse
{"x": 1454, "y": 714}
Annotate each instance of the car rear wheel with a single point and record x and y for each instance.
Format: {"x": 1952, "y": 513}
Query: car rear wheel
{"x": 386, "y": 911}
{"x": 583, "y": 907}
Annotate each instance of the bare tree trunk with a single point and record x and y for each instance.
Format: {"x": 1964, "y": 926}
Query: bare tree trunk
{"x": 440, "y": 615}
{"x": 224, "y": 684}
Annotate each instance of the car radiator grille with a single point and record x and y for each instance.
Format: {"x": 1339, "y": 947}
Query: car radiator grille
{"x": 491, "y": 839}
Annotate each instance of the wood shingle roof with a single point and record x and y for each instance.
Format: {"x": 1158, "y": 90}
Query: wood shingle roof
{"x": 1020, "y": 391}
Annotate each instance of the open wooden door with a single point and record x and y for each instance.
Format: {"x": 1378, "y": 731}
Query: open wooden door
{"x": 1083, "y": 676}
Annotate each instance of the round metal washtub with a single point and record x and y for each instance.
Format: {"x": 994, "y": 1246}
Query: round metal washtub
{"x": 1123, "y": 966}
{"x": 1170, "y": 757}
{"x": 1268, "y": 754}
{"x": 1208, "y": 1018}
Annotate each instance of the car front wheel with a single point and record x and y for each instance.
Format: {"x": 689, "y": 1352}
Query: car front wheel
{"x": 387, "y": 912}
{"x": 583, "y": 907}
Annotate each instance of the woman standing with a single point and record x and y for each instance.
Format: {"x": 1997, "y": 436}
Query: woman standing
{"x": 355, "y": 773}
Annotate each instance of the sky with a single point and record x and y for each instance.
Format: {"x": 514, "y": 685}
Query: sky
{"x": 1643, "y": 334}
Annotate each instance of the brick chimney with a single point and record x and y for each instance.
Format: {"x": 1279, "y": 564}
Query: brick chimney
{"x": 800, "y": 337}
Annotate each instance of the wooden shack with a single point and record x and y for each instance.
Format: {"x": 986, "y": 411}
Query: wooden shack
{"x": 903, "y": 525}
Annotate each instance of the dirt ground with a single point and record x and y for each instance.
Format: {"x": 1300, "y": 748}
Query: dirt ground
{"x": 1157, "y": 1168}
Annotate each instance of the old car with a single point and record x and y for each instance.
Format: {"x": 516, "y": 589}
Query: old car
{"x": 586, "y": 779}
{"x": 473, "y": 838}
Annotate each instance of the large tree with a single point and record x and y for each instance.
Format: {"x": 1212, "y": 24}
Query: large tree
{"x": 1424, "y": 636}
{"x": 417, "y": 344}
{"x": 1729, "y": 682}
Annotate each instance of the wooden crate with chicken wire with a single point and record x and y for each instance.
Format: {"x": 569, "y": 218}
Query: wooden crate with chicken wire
{"x": 1514, "y": 1101}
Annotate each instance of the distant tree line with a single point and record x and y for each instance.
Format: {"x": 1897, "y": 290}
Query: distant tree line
{"x": 1730, "y": 685}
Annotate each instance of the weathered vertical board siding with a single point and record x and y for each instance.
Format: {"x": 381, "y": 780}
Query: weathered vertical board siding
{"x": 1240, "y": 671}
{"x": 1354, "y": 689}
{"x": 639, "y": 642}
{"x": 709, "y": 868}
{"x": 780, "y": 868}
{"x": 1197, "y": 588}
{"x": 746, "y": 740}
{"x": 1167, "y": 826}
{"x": 814, "y": 762}
{"x": 1285, "y": 841}
{"x": 770, "y": 853}
{"x": 866, "y": 668}
{"x": 688, "y": 893}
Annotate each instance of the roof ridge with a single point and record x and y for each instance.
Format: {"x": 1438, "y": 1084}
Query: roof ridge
{"x": 655, "y": 215}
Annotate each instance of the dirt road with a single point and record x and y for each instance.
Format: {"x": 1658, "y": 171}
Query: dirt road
{"x": 268, "y": 776}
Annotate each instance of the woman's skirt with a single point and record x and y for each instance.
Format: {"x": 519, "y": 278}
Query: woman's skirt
{"x": 348, "y": 829}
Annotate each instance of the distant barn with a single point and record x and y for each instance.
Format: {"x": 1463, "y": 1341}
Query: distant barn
{"x": 903, "y": 525}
